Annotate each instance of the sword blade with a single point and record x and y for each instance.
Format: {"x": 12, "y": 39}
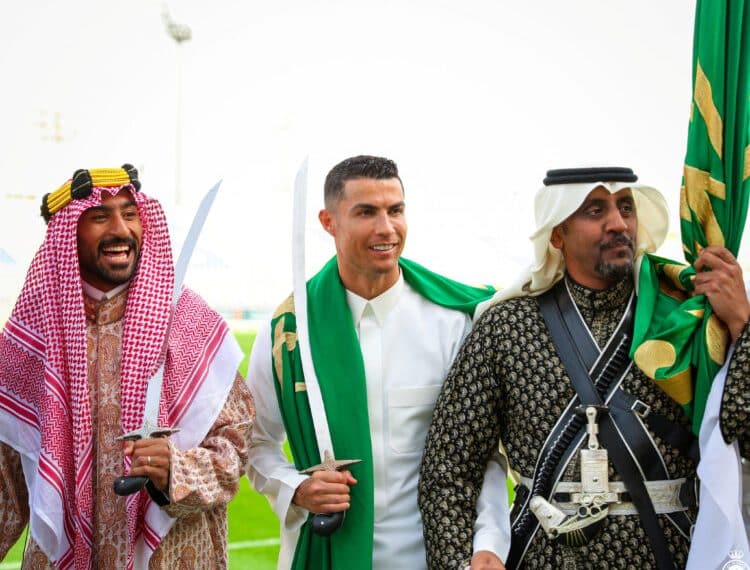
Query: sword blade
{"x": 153, "y": 388}
{"x": 153, "y": 395}
{"x": 191, "y": 239}
{"x": 315, "y": 398}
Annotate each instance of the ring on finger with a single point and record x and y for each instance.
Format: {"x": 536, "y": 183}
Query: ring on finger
{"x": 148, "y": 460}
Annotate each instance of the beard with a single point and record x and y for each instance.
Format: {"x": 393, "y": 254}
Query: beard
{"x": 616, "y": 272}
{"x": 116, "y": 274}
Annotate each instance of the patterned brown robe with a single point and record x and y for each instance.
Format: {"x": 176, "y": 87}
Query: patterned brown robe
{"x": 202, "y": 480}
{"x": 508, "y": 384}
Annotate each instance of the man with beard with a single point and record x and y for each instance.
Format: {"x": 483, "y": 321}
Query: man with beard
{"x": 86, "y": 336}
{"x": 383, "y": 332}
{"x": 604, "y": 459}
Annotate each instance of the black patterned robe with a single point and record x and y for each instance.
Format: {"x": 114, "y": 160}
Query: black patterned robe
{"x": 508, "y": 384}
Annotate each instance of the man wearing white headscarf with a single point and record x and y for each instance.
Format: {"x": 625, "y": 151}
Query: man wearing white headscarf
{"x": 604, "y": 460}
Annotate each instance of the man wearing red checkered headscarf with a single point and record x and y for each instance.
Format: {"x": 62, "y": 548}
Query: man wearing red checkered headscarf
{"x": 85, "y": 337}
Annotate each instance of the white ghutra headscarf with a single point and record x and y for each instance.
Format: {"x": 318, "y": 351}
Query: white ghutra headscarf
{"x": 555, "y": 203}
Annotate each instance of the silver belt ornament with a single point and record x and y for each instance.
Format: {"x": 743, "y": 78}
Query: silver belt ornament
{"x": 595, "y": 497}
{"x": 592, "y": 499}
{"x": 127, "y": 485}
{"x": 665, "y": 496}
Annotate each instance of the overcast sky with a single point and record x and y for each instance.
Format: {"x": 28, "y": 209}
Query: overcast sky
{"x": 475, "y": 100}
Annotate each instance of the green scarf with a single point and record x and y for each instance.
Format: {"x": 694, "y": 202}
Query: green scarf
{"x": 338, "y": 364}
{"x": 678, "y": 341}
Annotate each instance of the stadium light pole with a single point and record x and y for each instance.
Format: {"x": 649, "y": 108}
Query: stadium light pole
{"x": 180, "y": 33}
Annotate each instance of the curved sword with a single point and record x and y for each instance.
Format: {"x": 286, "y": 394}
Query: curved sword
{"x": 127, "y": 485}
{"x": 323, "y": 524}
{"x": 314, "y": 396}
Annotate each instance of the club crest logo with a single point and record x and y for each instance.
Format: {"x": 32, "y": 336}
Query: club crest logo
{"x": 735, "y": 561}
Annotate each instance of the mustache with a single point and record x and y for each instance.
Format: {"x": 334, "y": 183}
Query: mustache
{"x": 619, "y": 239}
{"x": 130, "y": 242}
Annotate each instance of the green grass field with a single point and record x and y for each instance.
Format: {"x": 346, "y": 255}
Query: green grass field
{"x": 253, "y": 527}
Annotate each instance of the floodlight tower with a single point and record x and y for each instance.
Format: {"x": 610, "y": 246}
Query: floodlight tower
{"x": 179, "y": 33}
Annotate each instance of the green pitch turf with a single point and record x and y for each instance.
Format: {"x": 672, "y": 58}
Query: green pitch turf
{"x": 252, "y": 523}
{"x": 253, "y": 527}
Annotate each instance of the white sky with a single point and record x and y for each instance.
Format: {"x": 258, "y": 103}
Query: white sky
{"x": 475, "y": 100}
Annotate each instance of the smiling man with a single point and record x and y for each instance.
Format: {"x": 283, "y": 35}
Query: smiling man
{"x": 109, "y": 241}
{"x": 383, "y": 333}
{"x": 86, "y": 335}
{"x": 604, "y": 459}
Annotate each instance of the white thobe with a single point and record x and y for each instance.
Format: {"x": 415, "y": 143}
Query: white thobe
{"x": 408, "y": 345}
{"x": 720, "y": 473}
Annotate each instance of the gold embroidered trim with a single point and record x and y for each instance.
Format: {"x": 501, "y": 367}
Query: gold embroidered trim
{"x": 277, "y": 350}
{"x": 286, "y": 307}
{"x": 282, "y": 341}
{"x": 717, "y": 339}
{"x": 698, "y": 185}
{"x": 684, "y": 208}
{"x": 673, "y": 271}
{"x": 697, "y": 178}
{"x": 678, "y": 387}
{"x": 654, "y": 354}
{"x": 704, "y": 99}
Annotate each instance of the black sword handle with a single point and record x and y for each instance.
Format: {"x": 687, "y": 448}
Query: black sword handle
{"x": 129, "y": 484}
{"x": 325, "y": 524}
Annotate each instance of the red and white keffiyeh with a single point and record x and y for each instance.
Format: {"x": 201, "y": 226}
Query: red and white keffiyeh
{"x": 45, "y": 409}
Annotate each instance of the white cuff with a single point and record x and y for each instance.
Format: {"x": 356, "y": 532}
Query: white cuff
{"x": 492, "y": 540}
{"x": 492, "y": 526}
{"x": 292, "y": 516}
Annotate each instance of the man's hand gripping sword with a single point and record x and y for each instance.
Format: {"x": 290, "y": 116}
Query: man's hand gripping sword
{"x": 129, "y": 484}
{"x": 325, "y": 524}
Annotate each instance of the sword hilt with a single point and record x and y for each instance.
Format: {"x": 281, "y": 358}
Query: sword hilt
{"x": 129, "y": 484}
{"x": 325, "y": 524}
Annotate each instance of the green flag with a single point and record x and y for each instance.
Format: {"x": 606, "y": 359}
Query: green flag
{"x": 678, "y": 341}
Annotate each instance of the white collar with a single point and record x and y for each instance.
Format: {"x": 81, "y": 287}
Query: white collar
{"x": 98, "y": 295}
{"x": 380, "y": 305}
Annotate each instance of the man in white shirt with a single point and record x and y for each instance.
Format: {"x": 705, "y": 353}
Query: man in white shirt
{"x": 383, "y": 333}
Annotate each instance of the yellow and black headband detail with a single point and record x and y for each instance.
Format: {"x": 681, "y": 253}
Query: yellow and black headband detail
{"x": 83, "y": 181}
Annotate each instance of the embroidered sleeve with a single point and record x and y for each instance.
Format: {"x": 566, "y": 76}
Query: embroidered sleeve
{"x": 207, "y": 476}
{"x": 463, "y": 435}
{"x": 14, "y": 500}
{"x": 734, "y": 417}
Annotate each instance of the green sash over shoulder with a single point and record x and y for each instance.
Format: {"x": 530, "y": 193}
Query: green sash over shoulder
{"x": 338, "y": 364}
